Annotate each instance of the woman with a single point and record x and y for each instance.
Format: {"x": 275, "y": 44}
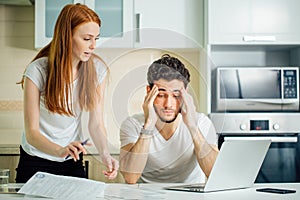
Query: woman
{"x": 63, "y": 79}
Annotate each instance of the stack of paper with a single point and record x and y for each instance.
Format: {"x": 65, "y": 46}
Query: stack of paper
{"x": 64, "y": 187}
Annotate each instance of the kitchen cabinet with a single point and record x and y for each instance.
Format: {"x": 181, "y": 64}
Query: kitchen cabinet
{"x": 95, "y": 168}
{"x": 250, "y": 33}
{"x": 169, "y": 23}
{"x": 111, "y": 34}
{"x": 9, "y": 161}
{"x": 117, "y": 22}
{"x": 253, "y": 22}
{"x": 132, "y": 23}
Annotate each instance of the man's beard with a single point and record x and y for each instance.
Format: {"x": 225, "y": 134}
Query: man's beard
{"x": 165, "y": 120}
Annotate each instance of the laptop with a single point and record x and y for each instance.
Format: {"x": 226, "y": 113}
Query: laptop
{"x": 236, "y": 167}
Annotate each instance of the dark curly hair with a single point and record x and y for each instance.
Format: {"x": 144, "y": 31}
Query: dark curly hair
{"x": 168, "y": 68}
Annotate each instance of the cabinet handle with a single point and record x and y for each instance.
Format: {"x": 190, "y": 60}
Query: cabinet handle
{"x": 272, "y": 138}
{"x": 268, "y": 38}
{"x": 86, "y": 168}
{"x": 138, "y": 26}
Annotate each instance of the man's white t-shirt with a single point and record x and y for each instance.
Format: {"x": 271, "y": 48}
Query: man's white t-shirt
{"x": 170, "y": 160}
{"x": 60, "y": 129}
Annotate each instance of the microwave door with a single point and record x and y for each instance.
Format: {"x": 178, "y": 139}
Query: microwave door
{"x": 257, "y": 89}
{"x": 250, "y": 84}
{"x": 229, "y": 85}
{"x": 259, "y": 84}
{"x": 249, "y": 89}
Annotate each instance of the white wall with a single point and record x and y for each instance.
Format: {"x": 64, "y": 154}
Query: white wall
{"x": 16, "y": 51}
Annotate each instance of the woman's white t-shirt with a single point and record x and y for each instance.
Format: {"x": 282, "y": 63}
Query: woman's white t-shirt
{"x": 60, "y": 129}
{"x": 170, "y": 160}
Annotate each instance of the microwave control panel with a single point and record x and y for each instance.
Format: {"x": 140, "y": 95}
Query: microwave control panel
{"x": 290, "y": 84}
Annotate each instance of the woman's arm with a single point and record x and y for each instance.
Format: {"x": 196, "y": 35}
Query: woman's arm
{"x": 32, "y": 129}
{"x": 98, "y": 134}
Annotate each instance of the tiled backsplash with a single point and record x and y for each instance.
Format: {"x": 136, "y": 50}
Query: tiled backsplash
{"x": 11, "y": 105}
{"x": 11, "y": 124}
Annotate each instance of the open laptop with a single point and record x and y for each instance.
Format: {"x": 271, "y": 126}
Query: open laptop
{"x": 236, "y": 167}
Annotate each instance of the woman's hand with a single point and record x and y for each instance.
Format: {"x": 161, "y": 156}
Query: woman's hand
{"x": 112, "y": 166}
{"x": 73, "y": 150}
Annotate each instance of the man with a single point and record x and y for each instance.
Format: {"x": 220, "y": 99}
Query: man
{"x": 170, "y": 142}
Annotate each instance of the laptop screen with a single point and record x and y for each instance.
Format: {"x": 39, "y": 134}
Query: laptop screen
{"x": 236, "y": 166}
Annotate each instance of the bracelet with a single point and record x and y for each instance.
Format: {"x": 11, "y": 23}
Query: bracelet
{"x": 146, "y": 132}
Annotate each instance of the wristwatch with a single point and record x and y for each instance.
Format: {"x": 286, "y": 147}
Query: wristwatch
{"x": 146, "y": 131}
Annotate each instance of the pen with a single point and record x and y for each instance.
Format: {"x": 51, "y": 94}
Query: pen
{"x": 82, "y": 143}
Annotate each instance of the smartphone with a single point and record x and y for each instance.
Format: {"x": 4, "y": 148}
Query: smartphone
{"x": 276, "y": 190}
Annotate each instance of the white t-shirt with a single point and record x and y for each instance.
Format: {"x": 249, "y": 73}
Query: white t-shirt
{"x": 170, "y": 160}
{"x": 60, "y": 129}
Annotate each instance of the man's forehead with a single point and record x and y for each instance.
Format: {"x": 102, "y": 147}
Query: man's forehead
{"x": 169, "y": 88}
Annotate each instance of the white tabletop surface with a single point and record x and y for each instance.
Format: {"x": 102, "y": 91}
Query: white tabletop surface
{"x": 156, "y": 191}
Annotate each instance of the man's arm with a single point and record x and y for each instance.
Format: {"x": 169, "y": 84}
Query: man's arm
{"x": 206, "y": 153}
{"x": 133, "y": 158}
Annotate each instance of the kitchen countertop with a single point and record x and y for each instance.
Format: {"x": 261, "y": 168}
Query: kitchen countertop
{"x": 156, "y": 191}
{"x": 11, "y": 149}
{"x": 10, "y": 140}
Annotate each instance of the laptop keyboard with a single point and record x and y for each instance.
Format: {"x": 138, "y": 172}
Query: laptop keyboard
{"x": 195, "y": 188}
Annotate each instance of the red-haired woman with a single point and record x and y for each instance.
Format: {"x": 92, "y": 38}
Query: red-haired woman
{"x": 64, "y": 79}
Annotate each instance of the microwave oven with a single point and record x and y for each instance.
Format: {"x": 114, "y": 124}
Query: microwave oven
{"x": 257, "y": 89}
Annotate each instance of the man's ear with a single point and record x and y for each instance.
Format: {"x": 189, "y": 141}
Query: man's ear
{"x": 148, "y": 88}
{"x": 187, "y": 88}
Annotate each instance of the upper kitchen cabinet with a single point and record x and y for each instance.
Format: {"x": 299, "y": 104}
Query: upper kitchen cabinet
{"x": 253, "y": 21}
{"x": 116, "y": 34}
{"x": 168, "y": 23}
{"x": 116, "y": 22}
{"x": 132, "y": 23}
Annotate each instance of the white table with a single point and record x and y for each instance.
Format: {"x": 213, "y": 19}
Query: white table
{"x": 156, "y": 191}
{"x": 241, "y": 194}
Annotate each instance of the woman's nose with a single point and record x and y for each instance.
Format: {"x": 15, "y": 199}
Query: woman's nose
{"x": 93, "y": 44}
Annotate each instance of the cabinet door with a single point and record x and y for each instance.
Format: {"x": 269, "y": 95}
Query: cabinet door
{"x": 116, "y": 22}
{"x": 116, "y": 16}
{"x": 46, "y": 13}
{"x": 95, "y": 168}
{"x": 168, "y": 23}
{"x": 253, "y": 21}
{"x": 10, "y": 161}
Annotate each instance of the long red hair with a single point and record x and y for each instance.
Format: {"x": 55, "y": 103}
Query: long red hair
{"x": 58, "y": 89}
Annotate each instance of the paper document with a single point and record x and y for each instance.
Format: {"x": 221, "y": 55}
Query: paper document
{"x": 133, "y": 192}
{"x": 65, "y": 187}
